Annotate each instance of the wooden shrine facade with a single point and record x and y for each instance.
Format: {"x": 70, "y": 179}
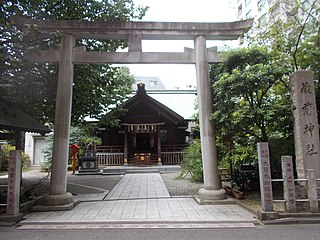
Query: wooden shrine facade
{"x": 149, "y": 133}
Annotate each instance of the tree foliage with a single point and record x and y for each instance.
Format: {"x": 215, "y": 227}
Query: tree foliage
{"x": 33, "y": 86}
{"x": 251, "y": 102}
{"x": 294, "y": 37}
{"x": 250, "y": 89}
{"x": 247, "y": 89}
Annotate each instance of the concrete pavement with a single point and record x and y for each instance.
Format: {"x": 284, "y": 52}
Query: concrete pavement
{"x": 141, "y": 201}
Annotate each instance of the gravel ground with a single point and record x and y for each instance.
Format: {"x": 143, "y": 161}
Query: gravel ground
{"x": 180, "y": 187}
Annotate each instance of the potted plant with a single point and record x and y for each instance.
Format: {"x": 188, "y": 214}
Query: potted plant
{"x": 236, "y": 192}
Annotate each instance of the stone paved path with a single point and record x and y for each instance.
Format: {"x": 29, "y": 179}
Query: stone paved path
{"x": 133, "y": 186}
{"x": 142, "y": 200}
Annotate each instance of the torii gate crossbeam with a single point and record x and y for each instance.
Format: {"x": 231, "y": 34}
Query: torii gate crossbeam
{"x": 134, "y": 33}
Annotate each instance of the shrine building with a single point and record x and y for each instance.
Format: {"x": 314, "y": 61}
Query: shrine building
{"x": 149, "y": 133}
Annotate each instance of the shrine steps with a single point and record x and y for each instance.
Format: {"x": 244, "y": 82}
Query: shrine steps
{"x": 113, "y": 170}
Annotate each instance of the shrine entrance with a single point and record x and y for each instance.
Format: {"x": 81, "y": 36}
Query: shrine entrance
{"x": 142, "y": 139}
{"x": 143, "y": 142}
{"x": 134, "y": 33}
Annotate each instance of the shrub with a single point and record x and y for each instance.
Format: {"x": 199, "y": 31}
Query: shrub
{"x": 243, "y": 180}
{"x": 192, "y": 162}
{"x": 45, "y": 166}
{"x": 4, "y": 155}
{"x": 26, "y": 162}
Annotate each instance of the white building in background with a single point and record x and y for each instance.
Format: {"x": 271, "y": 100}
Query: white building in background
{"x": 179, "y": 100}
{"x": 34, "y": 146}
{"x": 151, "y": 83}
{"x": 264, "y": 12}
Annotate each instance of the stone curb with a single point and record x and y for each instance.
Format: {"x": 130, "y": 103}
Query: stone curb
{"x": 286, "y": 218}
{"x": 92, "y": 222}
{"x": 296, "y": 220}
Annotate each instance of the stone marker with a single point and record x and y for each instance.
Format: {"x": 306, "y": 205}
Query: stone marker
{"x": 289, "y": 192}
{"x": 13, "y": 195}
{"x": 265, "y": 177}
{"x": 306, "y": 132}
{"x": 12, "y": 215}
{"x": 312, "y": 191}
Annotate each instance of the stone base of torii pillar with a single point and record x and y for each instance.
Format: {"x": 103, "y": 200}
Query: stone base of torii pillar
{"x": 213, "y": 197}
{"x": 63, "y": 202}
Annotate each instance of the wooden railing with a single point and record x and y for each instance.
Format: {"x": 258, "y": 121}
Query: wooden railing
{"x": 114, "y": 155}
{"x": 110, "y": 159}
{"x": 110, "y": 149}
{"x": 173, "y": 148}
{"x": 168, "y": 158}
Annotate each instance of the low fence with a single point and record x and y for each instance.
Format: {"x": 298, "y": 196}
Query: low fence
{"x": 117, "y": 159}
{"x": 290, "y": 184}
{"x": 110, "y": 149}
{"x": 110, "y": 159}
{"x": 173, "y": 148}
{"x": 172, "y": 158}
{"x": 290, "y": 196}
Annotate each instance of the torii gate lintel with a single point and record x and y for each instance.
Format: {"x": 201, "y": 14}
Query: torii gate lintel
{"x": 80, "y": 56}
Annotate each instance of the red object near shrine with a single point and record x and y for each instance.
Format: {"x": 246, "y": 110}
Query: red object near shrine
{"x": 74, "y": 148}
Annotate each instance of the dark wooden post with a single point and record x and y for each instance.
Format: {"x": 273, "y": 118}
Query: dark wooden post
{"x": 159, "y": 145}
{"x": 125, "y": 145}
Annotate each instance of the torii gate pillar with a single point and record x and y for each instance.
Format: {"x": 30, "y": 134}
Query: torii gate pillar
{"x": 58, "y": 185}
{"x": 212, "y": 184}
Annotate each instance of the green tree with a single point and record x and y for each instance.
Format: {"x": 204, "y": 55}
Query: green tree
{"x": 33, "y": 86}
{"x": 251, "y": 102}
{"x": 294, "y": 38}
{"x": 81, "y": 136}
{"x": 250, "y": 89}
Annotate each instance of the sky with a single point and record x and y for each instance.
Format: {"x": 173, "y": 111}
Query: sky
{"x": 179, "y": 76}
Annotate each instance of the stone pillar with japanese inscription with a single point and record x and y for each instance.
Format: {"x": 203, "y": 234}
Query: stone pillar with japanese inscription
{"x": 13, "y": 194}
{"x": 312, "y": 191}
{"x": 289, "y": 192}
{"x": 13, "y": 214}
{"x": 265, "y": 177}
{"x": 306, "y": 132}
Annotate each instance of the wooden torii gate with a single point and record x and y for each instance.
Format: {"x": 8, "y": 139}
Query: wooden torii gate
{"x": 134, "y": 33}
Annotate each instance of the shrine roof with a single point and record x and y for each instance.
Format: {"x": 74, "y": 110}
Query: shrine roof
{"x": 14, "y": 118}
{"x": 142, "y": 96}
